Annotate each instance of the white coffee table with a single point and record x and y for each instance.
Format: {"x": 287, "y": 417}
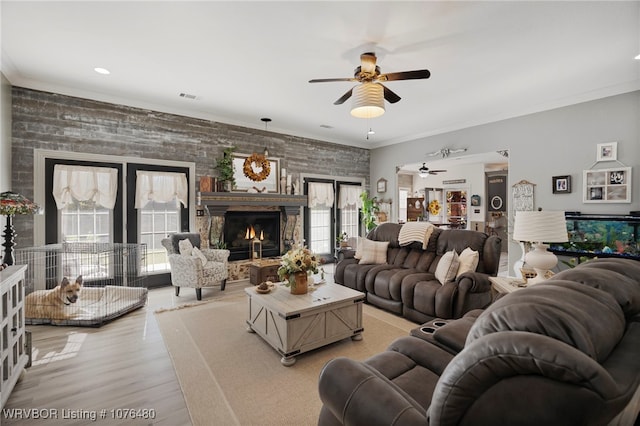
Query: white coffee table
{"x": 295, "y": 324}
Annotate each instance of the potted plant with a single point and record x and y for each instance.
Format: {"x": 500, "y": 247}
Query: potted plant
{"x": 369, "y": 210}
{"x": 342, "y": 240}
{"x": 295, "y": 267}
{"x": 224, "y": 166}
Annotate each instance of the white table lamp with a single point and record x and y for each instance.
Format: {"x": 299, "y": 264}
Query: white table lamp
{"x": 538, "y": 228}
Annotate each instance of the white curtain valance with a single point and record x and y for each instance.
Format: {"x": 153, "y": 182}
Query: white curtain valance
{"x": 320, "y": 194}
{"x": 161, "y": 187}
{"x": 349, "y": 197}
{"x": 84, "y": 183}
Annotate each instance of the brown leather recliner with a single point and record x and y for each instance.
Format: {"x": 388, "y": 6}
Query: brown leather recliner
{"x": 406, "y": 284}
{"x": 564, "y": 352}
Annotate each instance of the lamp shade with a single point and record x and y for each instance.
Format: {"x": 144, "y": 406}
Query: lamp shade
{"x": 368, "y": 100}
{"x": 540, "y": 226}
{"x": 12, "y": 203}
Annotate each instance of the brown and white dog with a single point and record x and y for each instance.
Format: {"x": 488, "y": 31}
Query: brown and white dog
{"x": 54, "y": 303}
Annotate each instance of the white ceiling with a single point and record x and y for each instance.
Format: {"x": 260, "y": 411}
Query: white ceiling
{"x": 247, "y": 60}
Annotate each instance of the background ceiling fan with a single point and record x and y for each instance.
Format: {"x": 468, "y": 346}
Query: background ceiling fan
{"x": 369, "y": 72}
{"x": 424, "y": 171}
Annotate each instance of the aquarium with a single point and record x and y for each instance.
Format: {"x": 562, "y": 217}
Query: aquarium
{"x": 600, "y": 236}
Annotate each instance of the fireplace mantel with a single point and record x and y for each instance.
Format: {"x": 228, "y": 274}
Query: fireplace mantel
{"x": 218, "y": 202}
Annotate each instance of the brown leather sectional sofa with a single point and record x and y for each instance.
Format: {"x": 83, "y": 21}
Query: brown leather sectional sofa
{"x": 406, "y": 284}
{"x": 562, "y": 352}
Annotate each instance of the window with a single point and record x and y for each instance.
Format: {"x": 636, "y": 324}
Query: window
{"x": 348, "y": 205}
{"x": 321, "y": 198}
{"x": 159, "y": 196}
{"x": 85, "y": 221}
{"x": 85, "y": 197}
{"x": 320, "y": 226}
{"x": 156, "y": 220}
{"x": 329, "y": 215}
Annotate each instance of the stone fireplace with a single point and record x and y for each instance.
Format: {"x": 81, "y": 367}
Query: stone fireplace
{"x": 275, "y": 216}
{"x": 250, "y": 234}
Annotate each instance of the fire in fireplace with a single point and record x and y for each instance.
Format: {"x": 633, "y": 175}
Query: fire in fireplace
{"x": 241, "y": 227}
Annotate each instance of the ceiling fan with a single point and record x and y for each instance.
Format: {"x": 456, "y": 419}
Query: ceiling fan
{"x": 369, "y": 72}
{"x": 425, "y": 172}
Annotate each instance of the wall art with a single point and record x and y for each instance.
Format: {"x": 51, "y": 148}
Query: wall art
{"x": 607, "y": 185}
{"x": 561, "y": 184}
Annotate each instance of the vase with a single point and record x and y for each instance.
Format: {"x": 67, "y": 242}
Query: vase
{"x": 299, "y": 283}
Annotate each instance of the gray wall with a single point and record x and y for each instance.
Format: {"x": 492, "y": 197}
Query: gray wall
{"x": 43, "y": 120}
{"x": 556, "y": 142}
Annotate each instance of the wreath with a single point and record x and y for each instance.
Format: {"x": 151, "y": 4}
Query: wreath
{"x": 261, "y": 163}
{"x": 434, "y": 207}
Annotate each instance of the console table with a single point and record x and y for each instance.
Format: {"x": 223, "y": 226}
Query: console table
{"x": 13, "y": 355}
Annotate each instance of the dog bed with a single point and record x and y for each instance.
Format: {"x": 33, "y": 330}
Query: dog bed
{"x": 98, "y": 305}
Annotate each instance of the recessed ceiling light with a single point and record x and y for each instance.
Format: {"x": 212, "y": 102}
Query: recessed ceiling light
{"x": 102, "y": 71}
{"x": 637, "y": 57}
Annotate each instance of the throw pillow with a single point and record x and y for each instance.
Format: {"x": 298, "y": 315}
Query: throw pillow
{"x": 185, "y": 247}
{"x": 358, "y": 254}
{"x": 447, "y": 267}
{"x": 468, "y": 261}
{"x": 373, "y": 252}
{"x": 195, "y": 252}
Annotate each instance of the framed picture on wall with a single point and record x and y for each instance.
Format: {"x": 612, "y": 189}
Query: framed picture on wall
{"x": 607, "y": 151}
{"x": 269, "y": 184}
{"x": 561, "y": 184}
{"x": 382, "y": 185}
{"x": 523, "y": 196}
{"x": 607, "y": 185}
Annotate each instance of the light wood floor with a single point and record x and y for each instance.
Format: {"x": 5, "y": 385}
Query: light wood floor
{"x": 123, "y": 364}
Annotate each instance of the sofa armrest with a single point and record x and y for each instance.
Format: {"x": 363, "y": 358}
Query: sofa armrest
{"x": 474, "y": 282}
{"x": 185, "y": 270}
{"x": 347, "y": 253}
{"x": 355, "y": 393}
{"x": 473, "y": 292}
{"x": 525, "y": 378}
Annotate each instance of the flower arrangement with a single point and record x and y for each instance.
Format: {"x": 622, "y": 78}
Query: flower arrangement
{"x": 298, "y": 259}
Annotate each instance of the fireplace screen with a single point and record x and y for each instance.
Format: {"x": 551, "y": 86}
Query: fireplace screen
{"x": 241, "y": 228}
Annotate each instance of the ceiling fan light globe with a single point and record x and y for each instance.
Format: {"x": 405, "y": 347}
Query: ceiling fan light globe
{"x": 368, "y": 100}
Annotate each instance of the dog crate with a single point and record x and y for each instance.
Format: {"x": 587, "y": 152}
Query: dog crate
{"x": 113, "y": 280}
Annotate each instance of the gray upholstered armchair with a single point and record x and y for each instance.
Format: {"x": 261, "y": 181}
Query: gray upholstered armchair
{"x": 190, "y": 270}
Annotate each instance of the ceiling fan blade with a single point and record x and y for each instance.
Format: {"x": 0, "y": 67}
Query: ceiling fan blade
{"x": 405, "y": 75}
{"x": 390, "y": 97}
{"x": 368, "y": 61}
{"x": 328, "y": 80}
{"x": 344, "y": 98}
{"x": 438, "y": 171}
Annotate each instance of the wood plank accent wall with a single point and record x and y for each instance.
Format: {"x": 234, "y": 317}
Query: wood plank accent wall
{"x": 43, "y": 120}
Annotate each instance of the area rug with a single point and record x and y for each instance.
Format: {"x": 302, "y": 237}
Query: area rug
{"x": 232, "y": 377}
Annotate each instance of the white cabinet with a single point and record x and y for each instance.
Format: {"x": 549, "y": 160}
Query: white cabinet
{"x": 13, "y": 355}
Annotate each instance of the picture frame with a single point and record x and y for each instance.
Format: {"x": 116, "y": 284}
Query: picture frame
{"x": 243, "y": 184}
{"x": 382, "y": 185}
{"x": 561, "y": 184}
{"x": 607, "y": 185}
{"x": 523, "y": 192}
{"x": 607, "y": 151}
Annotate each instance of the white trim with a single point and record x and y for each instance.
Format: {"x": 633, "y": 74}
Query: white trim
{"x": 40, "y": 155}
